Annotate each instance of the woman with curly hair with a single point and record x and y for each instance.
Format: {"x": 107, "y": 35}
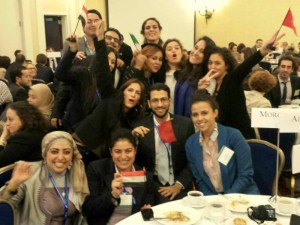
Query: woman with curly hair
{"x": 21, "y": 138}
{"x": 260, "y": 82}
{"x": 228, "y": 91}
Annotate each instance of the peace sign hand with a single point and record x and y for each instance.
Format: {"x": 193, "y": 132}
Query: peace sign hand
{"x": 205, "y": 82}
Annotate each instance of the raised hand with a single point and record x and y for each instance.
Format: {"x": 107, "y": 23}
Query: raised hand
{"x": 22, "y": 172}
{"x": 139, "y": 59}
{"x": 271, "y": 44}
{"x": 205, "y": 82}
{"x": 72, "y": 41}
{"x": 117, "y": 185}
{"x": 100, "y": 28}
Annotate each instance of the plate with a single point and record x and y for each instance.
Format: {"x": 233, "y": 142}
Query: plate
{"x": 237, "y": 202}
{"x": 191, "y": 213}
{"x": 273, "y": 204}
{"x": 227, "y": 214}
{"x": 200, "y": 204}
{"x": 249, "y": 221}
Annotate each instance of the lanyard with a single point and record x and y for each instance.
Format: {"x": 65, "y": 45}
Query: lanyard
{"x": 65, "y": 200}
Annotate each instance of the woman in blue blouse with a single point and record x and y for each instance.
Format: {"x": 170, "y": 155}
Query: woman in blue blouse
{"x": 219, "y": 156}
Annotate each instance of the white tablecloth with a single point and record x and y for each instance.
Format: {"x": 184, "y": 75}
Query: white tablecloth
{"x": 136, "y": 219}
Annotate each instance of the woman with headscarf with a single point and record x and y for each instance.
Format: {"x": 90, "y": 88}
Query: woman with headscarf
{"x": 40, "y": 96}
{"x": 50, "y": 191}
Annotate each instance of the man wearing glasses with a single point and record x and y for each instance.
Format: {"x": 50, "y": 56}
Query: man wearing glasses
{"x": 164, "y": 155}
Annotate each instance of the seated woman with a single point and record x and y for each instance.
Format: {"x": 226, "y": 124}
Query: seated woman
{"x": 41, "y": 97}
{"x": 231, "y": 175}
{"x": 50, "y": 191}
{"x": 24, "y": 130}
{"x": 112, "y": 200}
{"x": 260, "y": 83}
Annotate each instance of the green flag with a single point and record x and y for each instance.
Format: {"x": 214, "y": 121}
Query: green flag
{"x": 135, "y": 41}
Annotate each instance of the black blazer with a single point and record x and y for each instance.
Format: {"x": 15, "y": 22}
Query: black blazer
{"x": 275, "y": 94}
{"x": 98, "y": 206}
{"x": 183, "y": 128}
{"x": 44, "y": 73}
{"x": 24, "y": 145}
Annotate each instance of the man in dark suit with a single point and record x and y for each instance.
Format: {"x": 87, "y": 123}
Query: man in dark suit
{"x": 43, "y": 72}
{"x": 21, "y": 81}
{"x": 166, "y": 159}
{"x": 288, "y": 86}
{"x": 257, "y": 46}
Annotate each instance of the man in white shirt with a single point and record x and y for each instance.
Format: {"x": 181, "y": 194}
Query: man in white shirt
{"x": 166, "y": 159}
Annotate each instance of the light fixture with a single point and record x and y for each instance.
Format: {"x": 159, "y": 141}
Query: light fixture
{"x": 207, "y": 13}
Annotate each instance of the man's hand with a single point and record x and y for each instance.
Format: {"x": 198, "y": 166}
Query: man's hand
{"x": 170, "y": 191}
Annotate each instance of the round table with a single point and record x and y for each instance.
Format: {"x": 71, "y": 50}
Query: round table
{"x": 255, "y": 200}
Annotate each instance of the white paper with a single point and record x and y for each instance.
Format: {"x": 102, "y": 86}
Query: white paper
{"x": 126, "y": 199}
{"x": 287, "y": 120}
{"x": 53, "y": 54}
{"x": 295, "y": 159}
{"x": 225, "y": 155}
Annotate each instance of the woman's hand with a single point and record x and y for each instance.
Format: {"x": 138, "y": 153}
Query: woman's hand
{"x": 271, "y": 44}
{"x": 5, "y": 134}
{"x": 120, "y": 63}
{"x": 73, "y": 42}
{"x": 140, "y": 131}
{"x": 117, "y": 186}
{"x": 100, "y": 28}
{"x": 22, "y": 172}
{"x": 205, "y": 81}
{"x": 139, "y": 60}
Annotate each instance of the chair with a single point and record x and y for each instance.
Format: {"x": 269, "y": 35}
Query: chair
{"x": 7, "y": 213}
{"x": 5, "y": 174}
{"x": 264, "y": 161}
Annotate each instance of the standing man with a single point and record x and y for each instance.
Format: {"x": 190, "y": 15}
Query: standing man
{"x": 166, "y": 159}
{"x": 257, "y": 46}
{"x": 288, "y": 86}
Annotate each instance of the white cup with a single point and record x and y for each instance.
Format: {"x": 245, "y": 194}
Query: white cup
{"x": 285, "y": 205}
{"x": 194, "y": 197}
{"x": 216, "y": 211}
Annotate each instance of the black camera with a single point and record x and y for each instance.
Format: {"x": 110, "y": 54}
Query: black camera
{"x": 262, "y": 213}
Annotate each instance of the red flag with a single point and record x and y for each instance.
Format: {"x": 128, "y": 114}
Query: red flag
{"x": 289, "y": 21}
{"x": 83, "y": 16}
{"x": 166, "y": 133}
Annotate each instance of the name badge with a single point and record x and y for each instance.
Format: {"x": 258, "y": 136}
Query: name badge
{"x": 126, "y": 199}
{"x": 225, "y": 155}
{"x": 297, "y": 92}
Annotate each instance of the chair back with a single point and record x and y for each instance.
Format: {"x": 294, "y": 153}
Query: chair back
{"x": 7, "y": 213}
{"x": 5, "y": 174}
{"x": 264, "y": 161}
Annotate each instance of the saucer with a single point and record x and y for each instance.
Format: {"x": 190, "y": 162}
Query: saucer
{"x": 227, "y": 214}
{"x": 200, "y": 204}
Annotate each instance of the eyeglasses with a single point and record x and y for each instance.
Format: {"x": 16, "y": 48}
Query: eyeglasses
{"x": 89, "y": 22}
{"x": 32, "y": 68}
{"x": 109, "y": 38}
{"x": 157, "y": 100}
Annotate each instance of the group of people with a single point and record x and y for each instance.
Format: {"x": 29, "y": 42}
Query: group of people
{"x": 117, "y": 113}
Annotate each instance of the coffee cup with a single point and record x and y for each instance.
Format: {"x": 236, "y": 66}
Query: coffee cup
{"x": 285, "y": 205}
{"x": 216, "y": 211}
{"x": 194, "y": 197}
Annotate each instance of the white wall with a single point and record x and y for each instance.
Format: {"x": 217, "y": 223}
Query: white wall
{"x": 11, "y": 37}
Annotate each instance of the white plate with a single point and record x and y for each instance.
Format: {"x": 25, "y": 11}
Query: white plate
{"x": 227, "y": 214}
{"x": 191, "y": 213}
{"x": 273, "y": 204}
{"x": 200, "y": 204}
{"x": 249, "y": 221}
{"x": 238, "y": 206}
